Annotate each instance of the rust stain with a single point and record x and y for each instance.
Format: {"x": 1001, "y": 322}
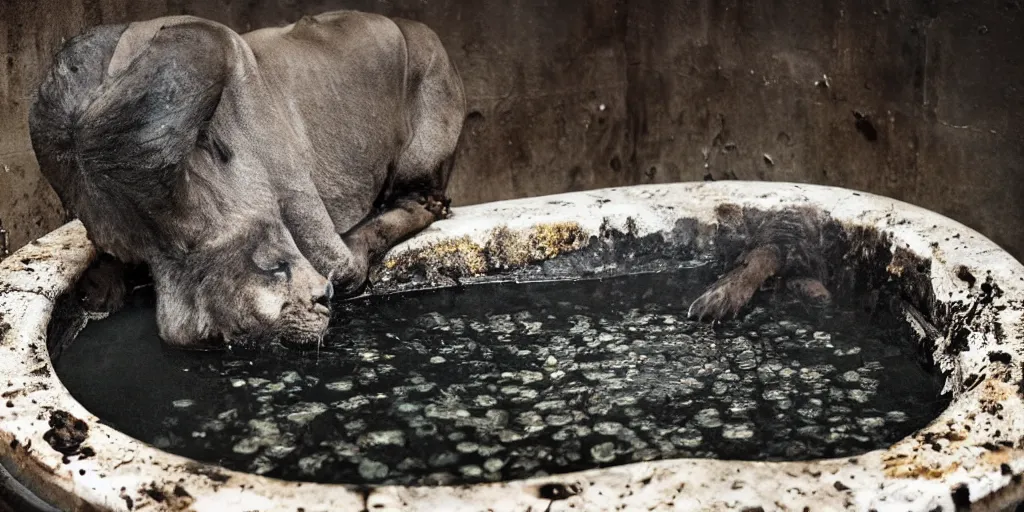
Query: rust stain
{"x": 504, "y": 248}
{"x": 999, "y": 457}
{"x": 911, "y": 466}
{"x": 894, "y": 269}
{"x": 916, "y": 458}
{"x": 997, "y": 391}
{"x": 930, "y": 471}
{"x": 510, "y": 249}
{"x": 911, "y": 458}
{"x": 458, "y": 253}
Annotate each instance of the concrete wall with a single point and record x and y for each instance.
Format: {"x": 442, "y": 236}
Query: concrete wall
{"x": 914, "y": 99}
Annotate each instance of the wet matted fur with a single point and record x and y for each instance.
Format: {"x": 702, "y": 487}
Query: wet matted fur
{"x": 788, "y": 243}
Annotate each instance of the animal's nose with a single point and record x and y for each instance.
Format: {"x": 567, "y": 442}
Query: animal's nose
{"x": 326, "y": 296}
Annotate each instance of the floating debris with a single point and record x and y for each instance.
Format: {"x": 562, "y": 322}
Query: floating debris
{"x": 498, "y": 382}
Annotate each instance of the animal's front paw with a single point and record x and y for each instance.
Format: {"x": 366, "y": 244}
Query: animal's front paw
{"x": 102, "y": 288}
{"x": 429, "y": 207}
{"x": 724, "y": 299}
{"x": 348, "y": 281}
{"x": 810, "y": 290}
{"x": 440, "y": 206}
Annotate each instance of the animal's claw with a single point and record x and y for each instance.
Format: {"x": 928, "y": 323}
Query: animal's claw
{"x": 438, "y": 206}
{"x": 348, "y": 281}
{"x": 723, "y": 300}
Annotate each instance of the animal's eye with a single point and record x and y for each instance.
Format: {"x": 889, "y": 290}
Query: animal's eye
{"x": 278, "y": 267}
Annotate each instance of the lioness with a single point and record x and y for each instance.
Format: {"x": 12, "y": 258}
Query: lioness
{"x": 249, "y": 171}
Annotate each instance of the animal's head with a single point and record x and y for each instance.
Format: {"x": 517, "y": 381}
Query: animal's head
{"x": 141, "y": 130}
{"x": 250, "y": 287}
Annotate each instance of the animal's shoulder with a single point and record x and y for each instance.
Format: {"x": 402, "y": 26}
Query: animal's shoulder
{"x": 341, "y": 27}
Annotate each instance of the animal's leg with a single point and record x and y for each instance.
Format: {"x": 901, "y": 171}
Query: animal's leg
{"x": 415, "y": 196}
{"x": 436, "y": 113}
{"x": 372, "y": 238}
{"x": 102, "y": 288}
{"x": 733, "y": 290}
{"x": 810, "y": 289}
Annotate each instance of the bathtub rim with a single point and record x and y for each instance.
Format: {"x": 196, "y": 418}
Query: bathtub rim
{"x": 910, "y": 475}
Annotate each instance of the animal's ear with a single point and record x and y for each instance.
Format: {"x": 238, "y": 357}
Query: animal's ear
{"x": 111, "y": 144}
{"x": 151, "y": 113}
{"x": 77, "y": 71}
{"x": 133, "y": 127}
{"x": 133, "y": 42}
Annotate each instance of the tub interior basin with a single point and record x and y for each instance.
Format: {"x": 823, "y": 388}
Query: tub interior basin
{"x": 503, "y": 380}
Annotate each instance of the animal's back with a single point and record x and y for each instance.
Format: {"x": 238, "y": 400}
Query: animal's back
{"x": 342, "y": 75}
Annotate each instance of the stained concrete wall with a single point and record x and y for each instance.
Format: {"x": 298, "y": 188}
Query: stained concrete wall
{"x": 915, "y": 99}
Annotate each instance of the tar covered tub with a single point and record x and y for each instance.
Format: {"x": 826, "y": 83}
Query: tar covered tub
{"x": 954, "y": 295}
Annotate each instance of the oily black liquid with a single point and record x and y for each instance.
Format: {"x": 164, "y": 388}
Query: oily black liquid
{"x": 506, "y": 381}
